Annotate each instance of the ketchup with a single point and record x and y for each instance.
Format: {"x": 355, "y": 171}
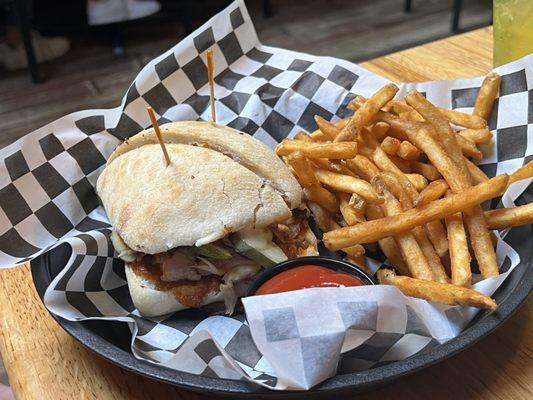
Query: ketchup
{"x": 307, "y": 276}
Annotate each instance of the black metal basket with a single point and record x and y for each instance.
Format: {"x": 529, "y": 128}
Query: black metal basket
{"x": 111, "y": 340}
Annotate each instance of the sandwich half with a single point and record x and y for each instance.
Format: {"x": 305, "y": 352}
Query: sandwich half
{"x": 197, "y": 231}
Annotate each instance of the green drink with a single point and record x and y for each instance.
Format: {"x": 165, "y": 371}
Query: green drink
{"x": 513, "y": 30}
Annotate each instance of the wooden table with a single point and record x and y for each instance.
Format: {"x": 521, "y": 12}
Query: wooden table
{"x": 44, "y": 362}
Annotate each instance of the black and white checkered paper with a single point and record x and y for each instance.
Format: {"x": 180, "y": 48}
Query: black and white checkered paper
{"x": 47, "y": 198}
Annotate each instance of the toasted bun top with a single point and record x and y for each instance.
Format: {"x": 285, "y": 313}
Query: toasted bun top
{"x": 243, "y": 148}
{"x": 200, "y": 197}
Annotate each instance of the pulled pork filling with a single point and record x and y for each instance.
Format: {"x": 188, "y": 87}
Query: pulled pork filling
{"x": 294, "y": 236}
{"x": 191, "y": 278}
{"x": 192, "y": 273}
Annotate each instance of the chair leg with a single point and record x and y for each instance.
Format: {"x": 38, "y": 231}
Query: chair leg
{"x": 117, "y": 41}
{"x": 267, "y": 9}
{"x": 24, "y": 24}
{"x": 456, "y": 14}
{"x": 407, "y": 6}
{"x": 185, "y": 17}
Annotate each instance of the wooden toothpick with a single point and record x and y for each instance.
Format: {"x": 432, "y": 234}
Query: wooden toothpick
{"x": 211, "y": 84}
{"x": 158, "y": 133}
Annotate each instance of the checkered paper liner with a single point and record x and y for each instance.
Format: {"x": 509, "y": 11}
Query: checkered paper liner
{"x": 47, "y": 198}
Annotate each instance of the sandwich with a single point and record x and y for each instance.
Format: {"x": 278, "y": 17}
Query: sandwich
{"x": 197, "y": 231}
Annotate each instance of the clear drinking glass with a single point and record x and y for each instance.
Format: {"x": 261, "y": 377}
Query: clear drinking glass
{"x": 513, "y": 30}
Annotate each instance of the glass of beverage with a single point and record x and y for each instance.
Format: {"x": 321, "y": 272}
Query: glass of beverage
{"x": 513, "y": 30}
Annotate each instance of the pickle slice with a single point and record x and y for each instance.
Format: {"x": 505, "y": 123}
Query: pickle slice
{"x": 213, "y": 251}
{"x": 257, "y": 245}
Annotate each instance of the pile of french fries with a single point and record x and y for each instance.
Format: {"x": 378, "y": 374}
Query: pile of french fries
{"x": 399, "y": 174}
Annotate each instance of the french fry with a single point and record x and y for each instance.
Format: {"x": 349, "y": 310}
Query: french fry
{"x": 468, "y": 147}
{"x": 486, "y": 95}
{"x": 318, "y": 150}
{"x": 405, "y": 116}
{"x": 372, "y": 231}
{"x": 399, "y": 127}
{"x": 477, "y": 174}
{"x": 481, "y": 241}
{"x": 443, "y": 131}
{"x": 507, "y": 217}
{"x": 479, "y": 234}
{"x": 444, "y": 293}
{"x": 455, "y": 117}
{"x": 357, "y": 203}
{"x": 385, "y": 162}
{"x": 477, "y": 136}
{"x": 437, "y": 234}
{"x": 475, "y": 221}
{"x": 388, "y": 245}
{"x": 407, "y": 151}
{"x": 435, "y": 190}
{"x": 339, "y": 124}
{"x": 354, "y": 251}
{"x": 364, "y": 150}
{"x": 434, "y": 229}
{"x": 398, "y": 145}
{"x": 363, "y": 167}
{"x": 327, "y": 128}
{"x": 418, "y": 181}
{"x": 434, "y": 261}
{"x": 342, "y": 122}
{"x": 459, "y": 254}
{"x": 367, "y": 139}
{"x": 410, "y": 181}
{"x": 426, "y": 170}
{"x": 463, "y": 119}
{"x": 390, "y": 145}
{"x": 356, "y": 255}
{"x": 412, "y": 115}
{"x": 332, "y": 166}
{"x": 403, "y": 165}
{"x": 322, "y": 197}
{"x": 358, "y": 101}
{"x": 302, "y": 169}
{"x": 392, "y": 252}
{"x": 451, "y": 164}
{"x": 348, "y": 184}
{"x": 350, "y": 214}
{"x": 391, "y": 181}
{"x": 364, "y": 114}
{"x": 411, "y": 252}
{"x": 302, "y": 136}
{"x": 319, "y": 136}
{"x": 521, "y": 173}
{"x": 400, "y": 106}
{"x": 379, "y": 130}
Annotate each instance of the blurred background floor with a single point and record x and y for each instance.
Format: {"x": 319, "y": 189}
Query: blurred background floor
{"x": 88, "y": 76}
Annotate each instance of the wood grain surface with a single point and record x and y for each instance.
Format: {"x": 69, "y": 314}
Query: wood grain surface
{"x": 44, "y": 362}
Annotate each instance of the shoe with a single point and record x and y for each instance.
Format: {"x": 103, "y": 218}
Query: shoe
{"x": 45, "y": 49}
{"x": 101, "y": 12}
